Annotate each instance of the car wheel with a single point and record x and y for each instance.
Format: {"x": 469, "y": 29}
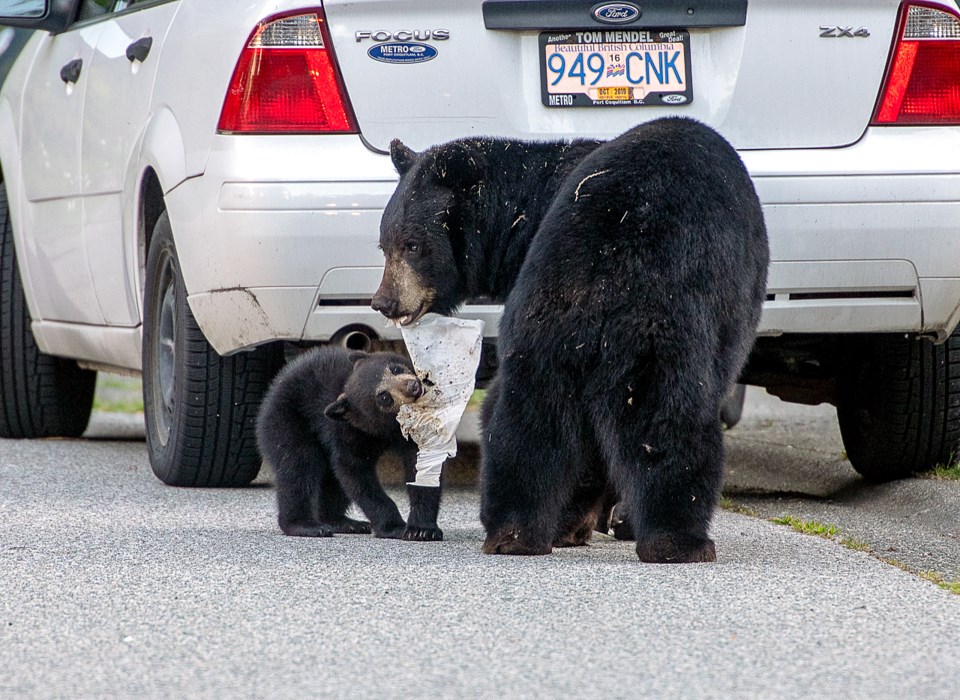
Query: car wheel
{"x": 200, "y": 408}
{"x": 899, "y": 406}
{"x": 732, "y": 409}
{"x": 40, "y": 395}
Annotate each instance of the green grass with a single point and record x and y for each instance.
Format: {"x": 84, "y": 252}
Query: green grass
{"x": 118, "y": 394}
{"x": 734, "y": 507}
{"x": 118, "y": 405}
{"x": 808, "y": 527}
{"x": 477, "y": 399}
{"x": 952, "y": 586}
{"x": 855, "y": 544}
{"x": 947, "y": 473}
{"x": 832, "y": 533}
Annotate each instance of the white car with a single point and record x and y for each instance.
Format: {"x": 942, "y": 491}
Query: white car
{"x": 192, "y": 187}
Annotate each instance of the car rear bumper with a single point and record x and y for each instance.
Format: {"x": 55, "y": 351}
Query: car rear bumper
{"x": 278, "y": 237}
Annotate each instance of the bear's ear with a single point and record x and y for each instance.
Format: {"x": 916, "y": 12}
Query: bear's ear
{"x": 403, "y": 158}
{"x": 356, "y": 355}
{"x": 458, "y": 165}
{"x": 339, "y": 409}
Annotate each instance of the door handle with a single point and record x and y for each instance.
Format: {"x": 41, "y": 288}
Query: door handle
{"x": 70, "y": 73}
{"x": 140, "y": 49}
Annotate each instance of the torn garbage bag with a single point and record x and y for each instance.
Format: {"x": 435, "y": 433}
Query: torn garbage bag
{"x": 445, "y": 353}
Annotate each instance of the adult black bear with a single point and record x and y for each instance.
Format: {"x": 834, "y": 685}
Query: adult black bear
{"x": 326, "y": 420}
{"x": 632, "y": 274}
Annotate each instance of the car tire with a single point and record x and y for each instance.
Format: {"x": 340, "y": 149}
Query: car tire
{"x": 200, "y": 408}
{"x": 40, "y": 395}
{"x": 732, "y": 409}
{"x": 899, "y": 405}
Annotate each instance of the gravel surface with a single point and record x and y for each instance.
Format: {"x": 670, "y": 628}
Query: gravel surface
{"x": 114, "y": 585}
{"x": 785, "y": 459}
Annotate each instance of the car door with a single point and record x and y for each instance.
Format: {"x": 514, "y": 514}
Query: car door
{"x": 116, "y": 112}
{"x": 50, "y": 146}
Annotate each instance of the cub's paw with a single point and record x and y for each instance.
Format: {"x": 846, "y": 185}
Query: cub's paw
{"x": 349, "y": 526}
{"x": 509, "y": 540}
{"x": 675, "y": 548}
{"x": 307, "y": 530}
{"x": 417, "y": 533}
{"x": 393, "y": 532}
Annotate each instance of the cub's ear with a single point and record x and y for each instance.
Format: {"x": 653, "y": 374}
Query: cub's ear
{"x": 339, "y": 409}
{"x": 458, "y": 165}
{"x": 403, "y": 158}
{"x": 356, "y": 355}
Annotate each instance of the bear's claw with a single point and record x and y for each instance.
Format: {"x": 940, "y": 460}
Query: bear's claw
{"x": 415, "y": 533}
{"x": 349, "y": 526}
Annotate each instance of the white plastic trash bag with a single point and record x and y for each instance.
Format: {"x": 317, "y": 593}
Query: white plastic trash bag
{"x": 445, "y": 353}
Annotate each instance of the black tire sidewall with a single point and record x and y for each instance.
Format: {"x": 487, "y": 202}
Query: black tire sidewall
{"x": 162, "y": 449}
{"x": 215, "y": 399}
{"x": 42, "y": 395}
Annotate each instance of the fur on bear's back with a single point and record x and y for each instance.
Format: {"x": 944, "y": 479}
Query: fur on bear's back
{"x": 648, "y": 247}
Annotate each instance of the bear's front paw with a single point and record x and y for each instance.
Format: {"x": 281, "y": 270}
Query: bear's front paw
{"x": 509, "y": 540}
{"x": 349, "y": 526}
{"x": 675, "y": 548}
{"x": 391, "y": 532}
{"x": 417, "y": 533}
{"x": 306, "y": 529}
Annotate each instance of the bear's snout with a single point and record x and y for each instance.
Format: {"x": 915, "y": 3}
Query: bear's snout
{"x": 414, "y": 389}
{"x": 385, "y": 305}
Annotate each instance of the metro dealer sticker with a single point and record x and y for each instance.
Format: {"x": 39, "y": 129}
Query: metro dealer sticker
{"x": 402, "y": 52}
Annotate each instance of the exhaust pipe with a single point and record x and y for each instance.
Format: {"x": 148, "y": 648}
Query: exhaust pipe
{"x": 352, "y": 339}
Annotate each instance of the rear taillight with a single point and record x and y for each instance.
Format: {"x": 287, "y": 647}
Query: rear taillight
{"x": 286, "y": 81}
{"x": 922, "y": 83}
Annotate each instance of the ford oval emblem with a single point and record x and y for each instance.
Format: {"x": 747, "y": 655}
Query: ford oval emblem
{"x": 674, "y": 99}
{"x": 402, "y": 52}
{"x": 616, "y": 12}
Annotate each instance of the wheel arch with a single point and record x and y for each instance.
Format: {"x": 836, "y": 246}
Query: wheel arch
{"x": 151, "y": 204}
{"x": 161, "y": 168}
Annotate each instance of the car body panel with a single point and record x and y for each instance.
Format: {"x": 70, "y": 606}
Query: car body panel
{"x": 110, "y": 145}
{"x": 773, "y": 83}
{"x": 51, "y": 177}
{"x": 277, "y": 235}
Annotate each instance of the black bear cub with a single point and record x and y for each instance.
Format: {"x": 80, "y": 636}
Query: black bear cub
{"x": 326, "y": 420}
{"x": 632, "y": 274}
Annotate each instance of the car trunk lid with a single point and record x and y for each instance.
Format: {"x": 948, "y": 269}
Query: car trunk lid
{"x": 771, "y": 74}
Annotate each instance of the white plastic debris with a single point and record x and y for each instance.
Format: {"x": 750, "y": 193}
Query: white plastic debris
{"x": 445, "y": 353}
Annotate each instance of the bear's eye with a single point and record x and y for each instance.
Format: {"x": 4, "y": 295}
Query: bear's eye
{"x": 384, "y": 399}
{"x": 396, "y": 369}
{"x": 412, "y": 247}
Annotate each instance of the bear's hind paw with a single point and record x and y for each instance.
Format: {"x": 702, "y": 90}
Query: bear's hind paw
{"x": 393, "y": 532}
{"x": 675, "y": 548}
{"x": 576, "y": 538}
{"x": 349, "y": 526}
{"x": 306, "y": 529}
{"x": 508, "y": 540}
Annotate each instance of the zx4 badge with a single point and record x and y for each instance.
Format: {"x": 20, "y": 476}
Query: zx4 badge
{"x": 839, "y": 32}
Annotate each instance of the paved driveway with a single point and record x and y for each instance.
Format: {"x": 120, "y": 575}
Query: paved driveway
{"x": 112, "y": 584}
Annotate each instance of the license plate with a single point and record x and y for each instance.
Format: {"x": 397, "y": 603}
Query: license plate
{"x": 615, "y": 68}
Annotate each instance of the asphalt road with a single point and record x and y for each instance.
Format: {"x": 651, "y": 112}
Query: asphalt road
{"x": 112, "y": 584}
